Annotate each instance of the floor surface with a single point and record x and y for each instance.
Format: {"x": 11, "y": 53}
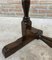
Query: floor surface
{"x": 10, "y": 30}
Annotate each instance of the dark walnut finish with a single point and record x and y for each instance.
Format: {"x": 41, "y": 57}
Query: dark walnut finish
{"x": 28, "y": 33}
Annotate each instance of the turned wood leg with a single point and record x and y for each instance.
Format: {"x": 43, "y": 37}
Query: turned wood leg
{"x": 26, "y": 24}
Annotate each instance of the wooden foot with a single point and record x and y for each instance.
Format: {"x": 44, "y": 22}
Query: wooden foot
{"x": 19, "y": 43}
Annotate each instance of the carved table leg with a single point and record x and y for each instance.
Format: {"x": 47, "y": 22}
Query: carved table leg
{"x": 28, "y": 33}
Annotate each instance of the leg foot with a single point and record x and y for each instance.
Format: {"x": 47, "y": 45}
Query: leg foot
{"x": 11, "y": 48}
{"x": 14, "y": 46}
{"x": 30, "y": 35}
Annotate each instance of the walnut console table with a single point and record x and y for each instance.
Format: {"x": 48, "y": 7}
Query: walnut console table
{"x": 29, "y": 33}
